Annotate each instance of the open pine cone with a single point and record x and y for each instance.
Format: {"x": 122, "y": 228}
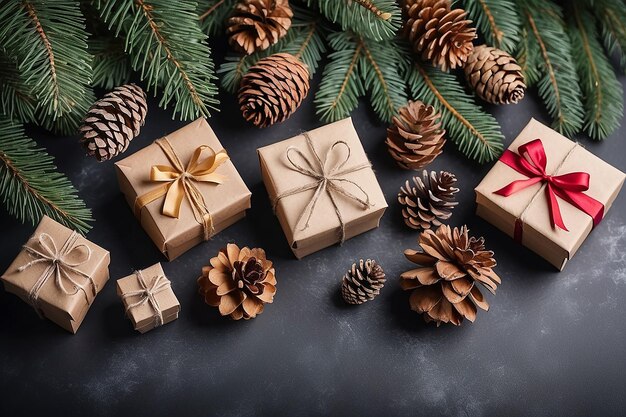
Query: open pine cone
{"x": 444, "y": 289}
{"x": 113, "y": 121}
{"x": 238, "y": 281}
{"x": 429, "y": 200}
{"x": 273, "y": 89}
{"x": 440, "y": 34}
{"x": 415, "y": 137}
{"x": 495, "y": 75}
{"x": 258, "y": 24}
{"x": 362, "y": 282}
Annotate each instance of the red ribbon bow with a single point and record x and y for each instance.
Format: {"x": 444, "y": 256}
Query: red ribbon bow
{"x": 532, "y": 162}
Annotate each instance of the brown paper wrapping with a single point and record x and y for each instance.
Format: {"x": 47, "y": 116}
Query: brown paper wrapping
{"x": 142, "y": 316}
{"x": 226, "y": 202}
{"x": 555, "y": 245}
{"x": 68, "y": 311}
{"x": 324, "y": 227}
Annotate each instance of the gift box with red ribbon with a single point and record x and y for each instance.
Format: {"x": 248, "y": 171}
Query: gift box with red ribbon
{"x": 548, "y": 192}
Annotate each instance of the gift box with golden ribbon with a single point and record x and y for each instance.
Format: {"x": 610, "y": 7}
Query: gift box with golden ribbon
{"x": 59, "y": 273}
{"x": 548, "y": 192}
{"x": 322, "y": 187}
{"x": 148, "y": 298}
{"x": 183, "y": 188}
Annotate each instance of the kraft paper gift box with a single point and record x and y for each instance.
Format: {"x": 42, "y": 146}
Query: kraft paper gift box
{"x": 59, "y": 273}
{"x": 311, "y": 209}
{"x": 148, "y": 298}
{"x": 526, "y": 213}
{"x": 189, "y": 170}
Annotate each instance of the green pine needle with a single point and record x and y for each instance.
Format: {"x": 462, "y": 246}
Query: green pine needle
{"x": 602, "y": 92}
{"x": 551, "y": 49}
{"x": 111, "y": 66}
{"x": 30, "y": 185}
{"x": 475, "y": 132}
{"x": 303, "y": 40}
{"x": 47, "y": 41}
{"x": 528, "y": 55}
{"x": 213, "y": 15}
{"x": 340, "y": 88}
{"x": 17, "y": 100}
{"x": 497, "y": 20}
{"x": 372, "y": 19}
{"x": 611, "y": 15}
{"x": 167, "y": 47}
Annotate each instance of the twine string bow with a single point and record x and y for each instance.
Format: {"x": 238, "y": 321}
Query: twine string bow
{"x": 330, "y": 180}
{"x": 147, "y": 294}
{"x": 180, "y": 182}
{"x": 59, "y": 265}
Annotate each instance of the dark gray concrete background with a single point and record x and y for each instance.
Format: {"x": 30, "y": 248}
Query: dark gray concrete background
{"x": 552, "y": 343}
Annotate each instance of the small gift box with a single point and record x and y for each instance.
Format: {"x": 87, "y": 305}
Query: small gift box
{"x": 183, "y": 188}
{"x": 322, "y": 187}
{"x": 148, "y": 298}
{"x": 59, "y": 273}
{"x": 548, "y": 192}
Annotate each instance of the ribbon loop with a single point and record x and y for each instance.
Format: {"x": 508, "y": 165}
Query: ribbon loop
{"x": 532, "y": 162}
{"x": 327, "y": 180}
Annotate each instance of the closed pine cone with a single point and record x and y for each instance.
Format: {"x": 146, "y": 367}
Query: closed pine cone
{"x": 113, "y": 121}
{"x": 238, "y": 281}
{"x": 415, "y": 137}
{"x": 273, "y": 89}
{"x": 258, "y": 24}
{"x": 429, "y": 201}
{"x": 495, "y": 75}
{"x": 362, "y": 282}
{"x": 444, "y": 289}
{"x": 440, "y": 34}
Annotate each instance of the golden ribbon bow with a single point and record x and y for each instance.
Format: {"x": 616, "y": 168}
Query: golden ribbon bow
{"x": 179, "y": 183}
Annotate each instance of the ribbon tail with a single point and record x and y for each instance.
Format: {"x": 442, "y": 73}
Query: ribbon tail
{"x": 555, "y": 211}
{"x": 583, "y": 202}
{"x": 174, "y": 199}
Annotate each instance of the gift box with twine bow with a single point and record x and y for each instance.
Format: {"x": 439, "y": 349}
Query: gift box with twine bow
{"x": 548, "y": 192}
{"x": 183, "y": 188}
{"x": 59, "y": 273}
{"x": 322, "y": 187}
{"x": 148, "y": 298}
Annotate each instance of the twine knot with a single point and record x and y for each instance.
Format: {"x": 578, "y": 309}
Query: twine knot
{"x": 147, "y": 294}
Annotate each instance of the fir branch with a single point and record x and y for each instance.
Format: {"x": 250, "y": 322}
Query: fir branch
{"x": 213, "y": 15}
{"x": 602, "y": 92}
{"x": 17, "y": 100}
{"x": 30, "y": 185}
{"x": 168, "y": 49}
{"x": 303, "y": 40}
{"x": 497, "y": 20}
{"x": 379, "y": 69}
{"x": 372, "y": 19}
{"x": 47, "y": 41}
{"x": 611, "y": 15}
{"x": 111, "y": 66}
{"x": 558, "y": 85}
{"x": 527, "y": 57}
{"x": 339, "y": 91}
{"x": 475, "y": 132}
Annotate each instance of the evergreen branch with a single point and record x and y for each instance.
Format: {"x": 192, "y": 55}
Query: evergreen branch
{"x": 611, "y": 15}
{"x": 602, "y": 91}
{"x": 17, "y": 100}
{"x": 372, "y": 19}
{"x": 339, "y": 91}
{"x": 379, "y": 69}
{"x": 475, "y": 132}
{"x": 30, "y": 185}
{"x": 213, "y": 15}
{"x": 558, "y": 83}
{"x": 497, "y": 20}
{"x": 167, "y": 47}
{"x": 47, "y": 41}
{"x": 527, "y": 57}
{"x": 111, "y": 66}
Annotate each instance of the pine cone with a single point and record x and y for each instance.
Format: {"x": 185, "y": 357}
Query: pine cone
{"x": 273, "y": 89}
{"x": 429, "y": 201}
{"x": 444, "y": 288}
{"x": 258, "y": 24}
{"x": 495, "y": 75}
{"x": 113, "y": 121}
{"x": 438, "y": 33}
{"x": 238, "y": 281}
{"x": 362, "y": 282}
{"x": 415, "y": 137}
